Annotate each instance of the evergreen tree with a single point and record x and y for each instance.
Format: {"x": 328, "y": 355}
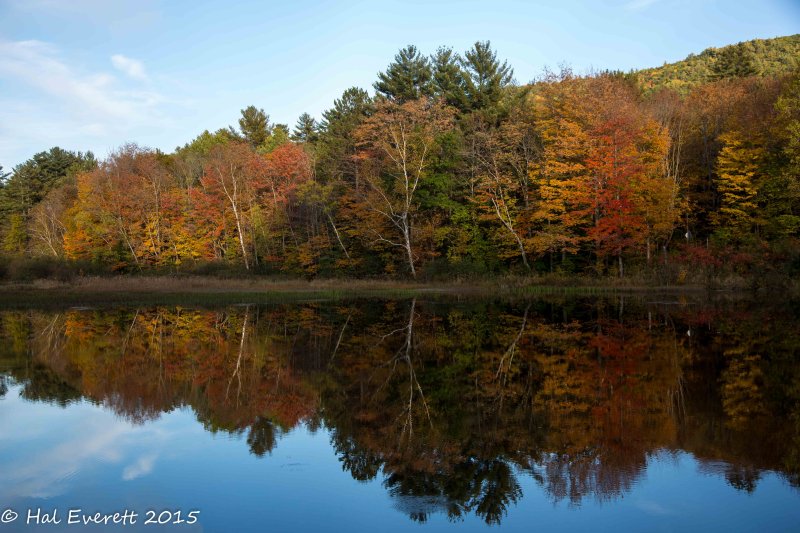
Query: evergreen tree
{"x": 788, "y": 107}
{"x": 336, "y": 132}
{"x": 448, "y": 78}
{"x": 783, "y": 205}
{"x": 346, "y": 112}
{"x": 306, "y": 129}
{"x": 16, "y": 237}
{"x": 407, "y": 78}
{"x": 34, "y": 178}
{"x": 254, "y": 125}
{"x": 485, "y": 76}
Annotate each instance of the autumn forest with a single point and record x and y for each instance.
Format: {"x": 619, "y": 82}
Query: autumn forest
{"x": 451, "y": 168}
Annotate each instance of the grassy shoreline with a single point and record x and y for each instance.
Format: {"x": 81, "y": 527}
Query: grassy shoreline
{"x": 201, "y": 290}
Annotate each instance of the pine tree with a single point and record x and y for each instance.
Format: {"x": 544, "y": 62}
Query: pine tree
{"x": 336, "y": 156}
{"x": 306, "y": 129}
{"x": 37, "y": 176}
{"x": 407, "y": 78}
{"x": 486, "y": 76}
{"x": 16, "y": 237}
{"x": 448, "y": 78}
{"x": 788, "y": 107}
{"x": 352, "y": 106}
{"x": 254, "y": 125}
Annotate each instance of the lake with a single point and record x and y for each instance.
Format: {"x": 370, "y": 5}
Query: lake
{"x": 634, "y": 413}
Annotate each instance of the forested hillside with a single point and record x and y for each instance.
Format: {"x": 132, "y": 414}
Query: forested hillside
{"x": 759, "y": 57}
{"x": 452, "y": 169}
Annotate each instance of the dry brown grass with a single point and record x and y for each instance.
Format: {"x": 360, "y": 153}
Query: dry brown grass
{"x": 208, "y": 291}
{"x": 193, "y": 284}
{"x": 503, "y": 285}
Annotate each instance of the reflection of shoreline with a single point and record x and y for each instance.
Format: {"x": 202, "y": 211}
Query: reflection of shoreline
{"x": 450, "y": 403}
{"x": 84, "y": 441}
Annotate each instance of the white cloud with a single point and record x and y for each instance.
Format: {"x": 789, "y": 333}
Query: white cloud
{"x": 74, "y": 443}
{"x": 47, "y": 472}
{"x": 133, "y": 68}
{"x": 71, "y": 106}
{"x": 142, "y": 467}
{"x": 91, "y": 95}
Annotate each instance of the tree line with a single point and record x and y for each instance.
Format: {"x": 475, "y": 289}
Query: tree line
{"x": 451, "y": 168}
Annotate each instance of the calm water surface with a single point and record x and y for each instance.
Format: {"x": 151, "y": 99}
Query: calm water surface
{"x": 633, "y": 414}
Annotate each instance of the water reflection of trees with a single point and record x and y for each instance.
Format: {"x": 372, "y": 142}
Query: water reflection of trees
{"x": 448, "y": 405}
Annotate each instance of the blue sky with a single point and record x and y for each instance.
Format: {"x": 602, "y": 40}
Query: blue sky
{"x": 93, "y": 74}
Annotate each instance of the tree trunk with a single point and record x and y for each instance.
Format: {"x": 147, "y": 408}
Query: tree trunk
{"x": 241, "y": 235}
{"x": 407, "y": 238}
{"x": 522, "y": 252}
{"x": 338, "y": 238}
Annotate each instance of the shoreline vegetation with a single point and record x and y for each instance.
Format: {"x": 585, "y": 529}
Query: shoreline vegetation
{"x": 182, "y": 289}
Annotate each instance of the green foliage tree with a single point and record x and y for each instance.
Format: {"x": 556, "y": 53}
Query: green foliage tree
{"x": 16, "y": 238}
{"x": 449, "y": 80}
{"x": 278, "y": 136}
{"x": 784, "y": 188}
{"x": 485, "y": 77}
{"x": 255, "y": 126}
{"x": 30, "y": 182}
{"x": 188, "y": 160}
{"x": 34, "y": 178}
{"x": 337, "y": 144}
{"x": 407, "y": 78}
{"x": 352, "y": 107}
{"x": 306, "y": 129}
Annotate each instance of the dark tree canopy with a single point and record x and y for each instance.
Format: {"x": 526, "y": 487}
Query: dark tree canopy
{"x": 34, "y": 178}
{"x": 336, "y": 131}
{"x": 449, "y": 80}
{"x": 354, "y": 104}
{"x": 486, "y": 77}
{"x": 262, "y": 437}
{"x": 407, "y": 78}
{"x": 306, "y": 129}
{"x": 254, "y": 125}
